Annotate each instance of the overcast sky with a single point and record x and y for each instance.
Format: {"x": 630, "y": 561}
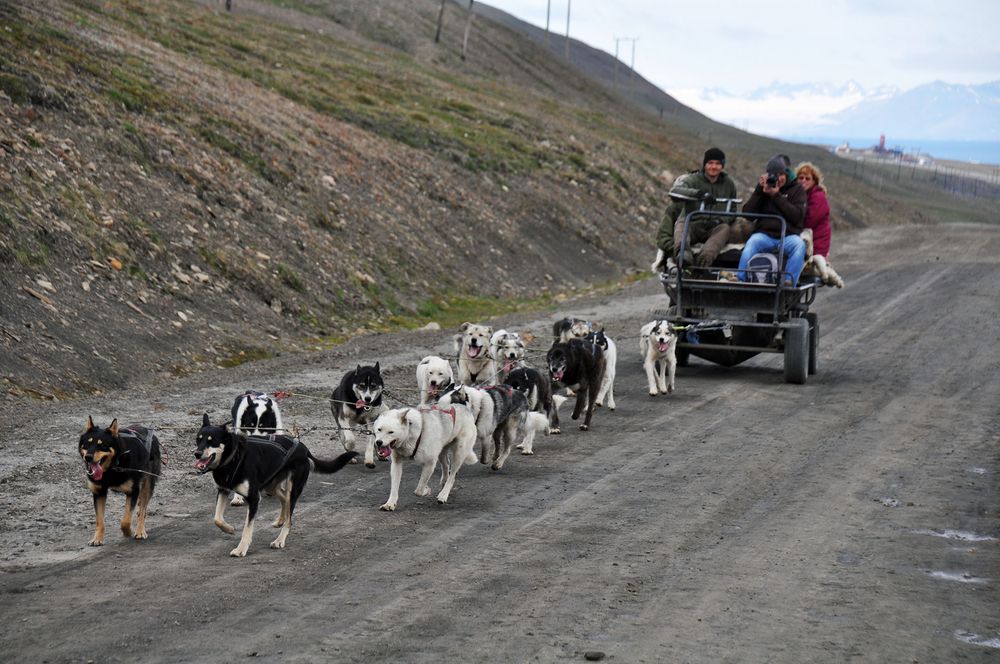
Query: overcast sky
{"x": 741, "y": 45}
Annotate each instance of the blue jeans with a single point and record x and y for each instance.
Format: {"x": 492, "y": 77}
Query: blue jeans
{"x": 795, "y": 254}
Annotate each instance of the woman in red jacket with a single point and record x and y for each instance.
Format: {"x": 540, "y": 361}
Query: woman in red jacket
{"x": 817, "y": 220}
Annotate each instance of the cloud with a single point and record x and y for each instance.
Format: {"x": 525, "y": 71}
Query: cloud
{"x": 984, "y": 66}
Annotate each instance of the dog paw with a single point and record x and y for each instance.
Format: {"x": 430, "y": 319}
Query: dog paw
{"x": 237, "y": 501}
{"x": 423, "y": 492}
{"x": 277, "y": 544}
{"x": 238, "y": 552}
{"x": 127, "y": 531}
{"x": 584, "y": 427}
{"x": 96, "y": 542}
{"x": 278, "y": 523}
{"x": 388, "y": 507}
{"x": 353, "y": 461}
{"x": 654, "y": 393}
{"x": 555, "y": 431}
{"x": 527, "y": 452}
{"x": 225, "y": 527}
{"x": 611, "y": 407}
{"x": 369, "y": 465}
{"x": 141, "y": 535}
{"x": 670, "y": 389}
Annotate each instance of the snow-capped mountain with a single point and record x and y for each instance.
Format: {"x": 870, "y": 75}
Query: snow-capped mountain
{"x": 935, "y": 111}
{"x": 779, "y": 108}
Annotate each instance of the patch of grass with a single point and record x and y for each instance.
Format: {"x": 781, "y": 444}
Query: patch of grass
{"x": 14, "y": 88}
{"x": 33, "y": 256}
{"x": 246, "y": 355}
{"x": 290, "y": 278}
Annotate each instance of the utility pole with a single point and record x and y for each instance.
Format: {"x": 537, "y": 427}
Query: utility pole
{"x": 621, "y": 39}
{"x": 548, "y": 14}
{"x": 569, "y": 3}
{"x": 468, "y": 24}
{"x": 437, "y": 35}
{"x": 617, "y": 39}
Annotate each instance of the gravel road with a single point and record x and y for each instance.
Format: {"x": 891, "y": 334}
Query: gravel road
{"x": 741, "y": 519}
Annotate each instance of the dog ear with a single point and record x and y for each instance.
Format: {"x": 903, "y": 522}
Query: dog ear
{"x": 465, "y": 326}
{"x": 358, "y": 370}
{"x": 377, "y": 369}
{"x": 89, "y": 426}
{"x": 113, "y": 429}
{"x": 204, "y": 420}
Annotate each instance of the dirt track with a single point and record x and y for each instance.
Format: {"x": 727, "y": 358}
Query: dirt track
{"x": 740, "y": 520}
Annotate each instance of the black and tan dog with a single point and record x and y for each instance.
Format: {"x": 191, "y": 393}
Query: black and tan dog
{"x": 247, "y": 465}
{"x": 579, "y": 366}
{"x": 124, "y": 460}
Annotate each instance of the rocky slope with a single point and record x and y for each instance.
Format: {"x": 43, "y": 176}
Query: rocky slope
{"x": 184, "y": 187}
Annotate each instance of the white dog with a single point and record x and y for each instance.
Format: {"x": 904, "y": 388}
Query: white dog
{"x": 818, "y": 265}
{"x": 607, "y": 389}
{"x": 425, "y": 435}
{"x": 507, "y": 350}
{"x": 536, "y": 423}
{"x": 475, "y": 365}
{"x": 433, "y": 375}
{"x": 658, "y": 346}
{"x": 500, "y": 412}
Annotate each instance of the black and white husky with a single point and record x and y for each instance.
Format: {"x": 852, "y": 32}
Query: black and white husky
{"x": 658, "y": 346}
{"x": 500, "y": 412}
{"x": 607, "y": 344}
{"x": 355, "y": 403}
{"x": 255, "y": 414}
{"x": 538, "y": 390}
{"x": 276, "y": 465}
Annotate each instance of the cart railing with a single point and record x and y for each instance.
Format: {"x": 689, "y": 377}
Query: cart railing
{"x": 694, "y": 215}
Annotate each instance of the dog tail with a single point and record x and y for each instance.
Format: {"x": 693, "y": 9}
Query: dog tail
{"x": 332, "y": 465}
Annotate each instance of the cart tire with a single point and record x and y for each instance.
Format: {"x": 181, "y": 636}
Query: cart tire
{"x": 813, "y": 342}
{"x": 797, "y": 351}
{"x": 683, "y": 357}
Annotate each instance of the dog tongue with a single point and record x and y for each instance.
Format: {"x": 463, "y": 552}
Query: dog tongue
{"x": 473, "y": 351}
{"x": 384, "y": 451}
{"x": 201, "y": 463}
{"x": 360, "y": 403}
{"x": 96, "y": 471}
{"x": 507, "y": 366}
{"x": 662, "y": 346}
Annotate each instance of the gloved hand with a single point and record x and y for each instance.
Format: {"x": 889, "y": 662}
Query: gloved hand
{"x": 707, "y": 198}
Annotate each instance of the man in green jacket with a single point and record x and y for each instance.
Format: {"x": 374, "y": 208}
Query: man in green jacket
{"x": 688, "y": 193}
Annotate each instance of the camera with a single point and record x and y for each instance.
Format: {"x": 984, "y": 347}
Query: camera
{"x": 772, "y": 180}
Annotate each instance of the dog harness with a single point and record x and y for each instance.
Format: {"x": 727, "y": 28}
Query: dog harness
{"x": 270, "y": 440}
{"x": 450, "y": 411}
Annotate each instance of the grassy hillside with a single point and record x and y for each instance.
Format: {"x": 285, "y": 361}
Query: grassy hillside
{"x": 185, "y": 187}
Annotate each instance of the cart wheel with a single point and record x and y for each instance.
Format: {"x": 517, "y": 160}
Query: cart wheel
{"x": 813, "y": 342}
{"x": 797, "y": 351}
{"x": 683, "y": 356}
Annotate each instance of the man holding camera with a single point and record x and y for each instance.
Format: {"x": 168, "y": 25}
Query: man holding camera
{"x": 777, "y": 192}
{"x": 693, "y": 191}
